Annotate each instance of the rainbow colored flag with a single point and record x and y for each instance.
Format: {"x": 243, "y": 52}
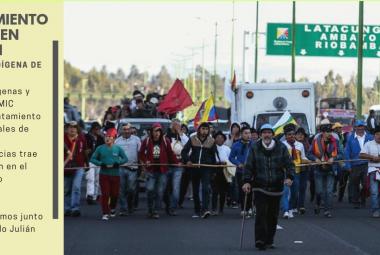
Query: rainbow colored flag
{"x": 206, "y": 113}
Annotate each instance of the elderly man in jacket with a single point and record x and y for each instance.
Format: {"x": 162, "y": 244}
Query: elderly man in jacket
{"x": 357, "y": 169}
{"x": 268, "y": 167}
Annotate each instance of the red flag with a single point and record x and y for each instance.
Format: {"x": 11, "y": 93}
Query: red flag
{"x": 176, "y": 100}
{"x": 233, "y": 83}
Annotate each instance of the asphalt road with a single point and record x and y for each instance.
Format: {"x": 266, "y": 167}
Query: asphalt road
{"x": 350, "y": 231}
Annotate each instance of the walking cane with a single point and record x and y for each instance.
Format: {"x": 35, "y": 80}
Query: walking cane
{"x": 243, "y": 221}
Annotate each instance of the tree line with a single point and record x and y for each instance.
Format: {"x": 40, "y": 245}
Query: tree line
{"x": 103, "y": 88}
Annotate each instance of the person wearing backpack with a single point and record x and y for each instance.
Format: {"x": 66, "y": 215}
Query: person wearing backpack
{"x": 156, "y": 149}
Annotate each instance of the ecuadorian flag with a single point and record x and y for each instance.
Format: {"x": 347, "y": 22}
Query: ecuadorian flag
{"x": 206, "y": 112}
{"x": 286, "y": 118}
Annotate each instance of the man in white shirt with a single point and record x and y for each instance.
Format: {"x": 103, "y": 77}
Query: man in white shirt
{"x": 219, "y": 182}
{"x": 128, "y": 175}
{"x": 178, "y": 139}
{"x": 371, "y": 152}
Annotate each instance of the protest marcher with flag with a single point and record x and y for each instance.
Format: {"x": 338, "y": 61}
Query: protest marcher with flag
{"x": 298, "y": 188}
{"x": 109, "y": 157}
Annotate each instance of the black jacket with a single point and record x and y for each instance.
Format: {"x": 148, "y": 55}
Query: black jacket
{"x": 202, "y": 152}
{"x": 267, "y": 169}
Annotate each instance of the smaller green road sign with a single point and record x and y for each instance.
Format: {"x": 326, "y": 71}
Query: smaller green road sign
{"x": 322, "y": 40}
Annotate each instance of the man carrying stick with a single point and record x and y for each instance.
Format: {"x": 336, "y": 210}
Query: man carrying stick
{"x": 268, "y": 167}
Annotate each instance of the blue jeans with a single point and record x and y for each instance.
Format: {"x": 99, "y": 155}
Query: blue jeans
{"x": 155, "y": 186}
{"x": 128, "y": 181}
{"x": 324, "y": 184}
{"x": 375, "y": 196}
{"x": 298, "y": 190}
{"x": 72, "y": 190}
{"x": 285, "y": 199}
{"x": 173, "y": 188}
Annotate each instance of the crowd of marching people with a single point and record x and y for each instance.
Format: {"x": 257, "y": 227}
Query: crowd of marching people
{"x": 234, "y": 170}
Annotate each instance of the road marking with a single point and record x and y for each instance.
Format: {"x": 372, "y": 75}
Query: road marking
{"x": 298, "y": 241}
{"x": 339, "y": 240}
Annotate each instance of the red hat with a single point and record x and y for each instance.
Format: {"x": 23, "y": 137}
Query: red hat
{"x": 156, "y": 125}
{"x": 111, "y": 132}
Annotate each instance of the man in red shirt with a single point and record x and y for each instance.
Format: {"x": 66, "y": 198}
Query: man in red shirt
{"x": 75, "y": 157}
{"x": 156, "y": 149}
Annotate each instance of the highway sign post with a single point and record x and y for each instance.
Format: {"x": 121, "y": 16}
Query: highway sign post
{"x": 322, "y": 40}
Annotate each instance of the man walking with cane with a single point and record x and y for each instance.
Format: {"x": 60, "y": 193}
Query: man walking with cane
{"x": 268, "y": 167}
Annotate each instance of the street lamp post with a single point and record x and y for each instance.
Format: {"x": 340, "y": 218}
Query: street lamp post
{"x": 215, "y": 51}
{"x": 245, "y": 33}
{"x": 256, "y": 38}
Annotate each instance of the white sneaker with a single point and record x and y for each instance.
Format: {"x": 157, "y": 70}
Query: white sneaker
{"x": 291, "y": 216}
{"x": 295, "y": 210}
{"x": 105, "y": 217}
{"x": 113, "y": 214}
{"x": 286, "y": 215}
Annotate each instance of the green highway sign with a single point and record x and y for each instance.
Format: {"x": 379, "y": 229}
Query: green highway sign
{"x": 323, "y": 40}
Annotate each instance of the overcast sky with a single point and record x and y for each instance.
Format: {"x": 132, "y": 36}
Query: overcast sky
{"x": 154, "y": 34}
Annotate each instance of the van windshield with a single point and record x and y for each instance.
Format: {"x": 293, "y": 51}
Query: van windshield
{"x": 272, "y": 119}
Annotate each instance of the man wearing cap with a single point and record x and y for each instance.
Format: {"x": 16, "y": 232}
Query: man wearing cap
{"x": 268, "y": 167}
{"x": 357, "y": 169}
{"x": 238, "y": 156}
{"x": 203, "y": 149}
{"x": 324, "y": 150}
{"x": 297, "y": 154}
{"x": 128, "y": 174}
{"x": 94, "y": 139}
{"x": 109, "y": 157}
{"x": 371, "y": 152}
{"x": 156, "y": 149}
{"x": 75, "y": 159}
{"x": 178, "y": 140}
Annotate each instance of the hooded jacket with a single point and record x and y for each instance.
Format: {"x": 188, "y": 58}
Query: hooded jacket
{"x": 167, "y": 155}
{"x": 267, "y": 169}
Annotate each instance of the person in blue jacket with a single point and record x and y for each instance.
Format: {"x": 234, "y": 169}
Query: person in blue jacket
{"x": 238, "y": 156}
{"x": 357, "y": 169}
